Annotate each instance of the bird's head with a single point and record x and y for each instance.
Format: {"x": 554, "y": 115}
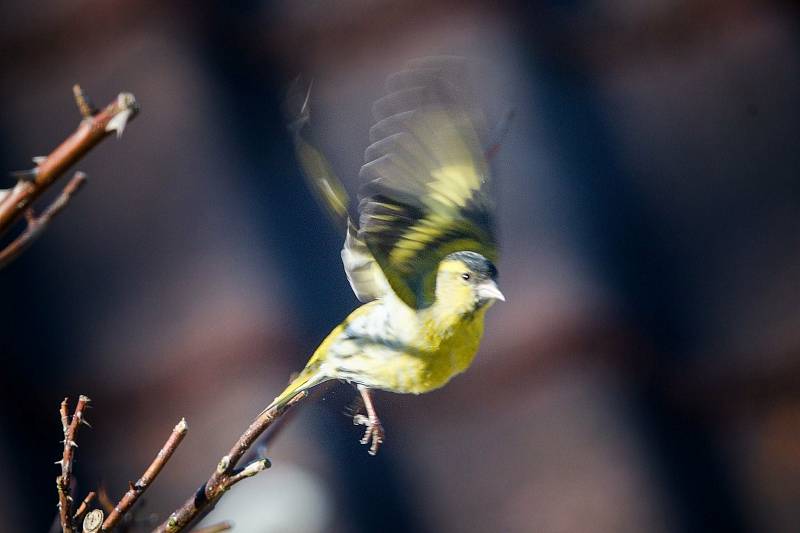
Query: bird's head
{"x": 467, "y": 281}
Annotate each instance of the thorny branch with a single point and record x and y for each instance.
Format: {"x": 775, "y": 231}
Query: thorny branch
{"x": 226, "y": 474}
{"x": 16, "y": 201}
{"x": 37, "y": 225}
{"x": 138, "y": 488}
{"x": 195, "y": 508}
{"x": 63, "y": 482}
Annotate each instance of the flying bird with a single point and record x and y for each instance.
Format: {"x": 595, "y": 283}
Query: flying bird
{"x": 420, "y": 252}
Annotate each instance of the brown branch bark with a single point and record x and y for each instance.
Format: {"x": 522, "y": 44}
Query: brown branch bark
{"x": 92, "y": 129}
{"x": 37, "y": 225}
{"x": 84, "y": 506}
{"x": 138, "y": 488}
{"x": 64, "y": 481}
{"x": 226, "y": 474}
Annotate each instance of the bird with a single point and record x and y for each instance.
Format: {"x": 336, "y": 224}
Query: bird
{"x": 419, "y": 253}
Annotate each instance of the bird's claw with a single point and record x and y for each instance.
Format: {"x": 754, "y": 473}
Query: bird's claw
{"x": 373, "y": 432}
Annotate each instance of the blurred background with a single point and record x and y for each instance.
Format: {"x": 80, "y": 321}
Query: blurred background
{"x": 643, "y": 376}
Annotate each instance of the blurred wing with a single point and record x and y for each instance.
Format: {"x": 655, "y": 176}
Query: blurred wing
{"x": 363, "y": 272}
{"x": 321, "y": 179}
{"x": 427, "y": 194}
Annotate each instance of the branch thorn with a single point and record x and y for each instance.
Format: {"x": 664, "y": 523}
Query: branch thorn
{"x": 127, "y": 109}
{"x": 83, "y": 102}
{"x": 25, "y": 175}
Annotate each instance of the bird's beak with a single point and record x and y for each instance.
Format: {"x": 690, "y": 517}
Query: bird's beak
{"x": 488, "y": 291}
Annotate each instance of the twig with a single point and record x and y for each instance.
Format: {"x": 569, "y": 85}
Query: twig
{"x": 138, "y": 488}
{"x": 226, "y": 474}
{"x": 82, "y": 101}
{"x": 257, "y": 450}
{"x": 63, "y": 481}
{"x": 94, "y": 127}
{"x": 84, "y": 506}
{"x": 64, "y": 412}
{"x": 37, "y": 225}
{"x": 216, "y": 528}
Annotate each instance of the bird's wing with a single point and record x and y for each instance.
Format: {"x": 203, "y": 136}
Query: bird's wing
{"x": 323, "y": 182}
{"x": 427, "y": 191}
{"x": 363, "y": 272}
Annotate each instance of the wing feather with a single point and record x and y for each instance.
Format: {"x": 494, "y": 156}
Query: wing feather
{"x": 363, "y": 272}
{"x": 427, "y": 194}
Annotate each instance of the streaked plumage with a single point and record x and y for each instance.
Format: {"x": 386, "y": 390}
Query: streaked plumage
{"x": 422, "y": 256}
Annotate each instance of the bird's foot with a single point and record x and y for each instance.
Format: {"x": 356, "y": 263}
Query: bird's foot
{"x": 374, "y": 432}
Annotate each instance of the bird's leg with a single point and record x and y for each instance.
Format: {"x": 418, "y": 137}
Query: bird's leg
{"x": 374, "y": 431}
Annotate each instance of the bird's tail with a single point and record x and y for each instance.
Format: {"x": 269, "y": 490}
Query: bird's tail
{"x": 306, "y": 380}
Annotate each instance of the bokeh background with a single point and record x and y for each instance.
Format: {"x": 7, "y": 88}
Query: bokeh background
{"x": 643, "y": 376}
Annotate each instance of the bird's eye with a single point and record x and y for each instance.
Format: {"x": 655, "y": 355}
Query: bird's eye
{"x": 465, "y": 276}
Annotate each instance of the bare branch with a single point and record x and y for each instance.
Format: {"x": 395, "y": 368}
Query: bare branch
{"x": 63, "y": 481}
{"x": 84, "y": 506}
{"x": 93, "y": 128}
{"x": 249, "y": 471}
{"x": 226, "y": 474}
{"x": 138, "y": 488}
{"x": 82, "y": 101}
{"x": 37, "y": 225}
{"x": 64, "y": 411}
